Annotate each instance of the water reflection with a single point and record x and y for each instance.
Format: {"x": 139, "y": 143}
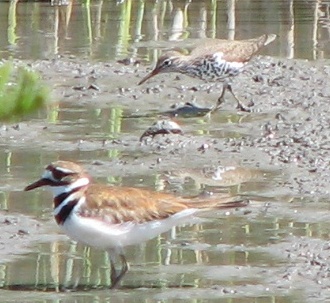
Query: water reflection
{"x": 197, "y": 260}
{"x": 111, "y": 30}
{"x": 224, "y": 257}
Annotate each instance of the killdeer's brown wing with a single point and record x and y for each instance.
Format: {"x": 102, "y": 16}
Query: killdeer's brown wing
{"x": 122, "y": 204}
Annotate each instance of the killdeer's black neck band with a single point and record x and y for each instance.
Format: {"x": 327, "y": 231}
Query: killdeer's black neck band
{"x": 65, "y": 211}
{"x": 61, "y": 197}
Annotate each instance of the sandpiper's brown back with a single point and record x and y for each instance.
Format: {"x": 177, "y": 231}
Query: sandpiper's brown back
{"x": 233, "y": 50}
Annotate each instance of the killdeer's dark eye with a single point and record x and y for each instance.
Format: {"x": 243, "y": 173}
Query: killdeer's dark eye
{"x": 58, "y": 173}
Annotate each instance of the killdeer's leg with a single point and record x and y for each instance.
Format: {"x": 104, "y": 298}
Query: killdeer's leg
{"x": 115, "y": 275}
{"x": 124, "y": 267}
{"x": 240, "y": 105}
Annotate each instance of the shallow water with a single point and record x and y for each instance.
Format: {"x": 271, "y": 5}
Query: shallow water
{"x": 106, "y": 30}
{"x": 236, "y": 257}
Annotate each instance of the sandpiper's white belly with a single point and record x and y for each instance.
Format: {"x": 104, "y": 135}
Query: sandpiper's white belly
{"x": 217, "y": 68}
{"x": 97, "y": 233}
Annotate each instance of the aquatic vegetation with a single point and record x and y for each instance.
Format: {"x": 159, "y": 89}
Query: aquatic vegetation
{"x": 21, "y": 91}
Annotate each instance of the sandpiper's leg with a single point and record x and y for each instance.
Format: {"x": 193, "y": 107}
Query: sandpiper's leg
{"x": 115, "y": 275}
{"x": 221, "y": 98}
{"x": 240, "y": 105}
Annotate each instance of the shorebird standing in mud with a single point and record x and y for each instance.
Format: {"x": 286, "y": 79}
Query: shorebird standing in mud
{"x": 213, "y": 60}
{"x": 112, "y": 217}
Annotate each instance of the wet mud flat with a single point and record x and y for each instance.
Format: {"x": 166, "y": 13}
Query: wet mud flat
{"x": 287, "y": 131}
{"x": 287, "y": 128}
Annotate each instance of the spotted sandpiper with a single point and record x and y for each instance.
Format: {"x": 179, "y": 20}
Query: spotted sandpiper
{"x": 213, "y": 60}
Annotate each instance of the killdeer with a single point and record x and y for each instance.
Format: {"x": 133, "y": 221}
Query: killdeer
{"x": 112, "y": 217}
{"x": 213, "y": 60}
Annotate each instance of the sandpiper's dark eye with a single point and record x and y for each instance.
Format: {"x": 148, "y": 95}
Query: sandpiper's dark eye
{"x": 167, "y": 62}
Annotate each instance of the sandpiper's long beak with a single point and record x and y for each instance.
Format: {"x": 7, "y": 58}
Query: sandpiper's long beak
{"x": 39, "y": 183}
{"x": 151, "y": 74}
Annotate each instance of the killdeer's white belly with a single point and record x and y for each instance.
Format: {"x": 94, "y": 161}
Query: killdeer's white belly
{"x": 97, "y": 233}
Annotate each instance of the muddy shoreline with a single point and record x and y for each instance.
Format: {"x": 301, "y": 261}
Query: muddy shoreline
{"x": 287, "y": 131}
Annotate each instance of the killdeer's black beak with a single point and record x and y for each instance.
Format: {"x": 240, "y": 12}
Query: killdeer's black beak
{"x": 39, "y": 183}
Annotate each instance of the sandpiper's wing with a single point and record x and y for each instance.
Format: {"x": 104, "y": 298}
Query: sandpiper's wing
{"x": 233, "y": 50}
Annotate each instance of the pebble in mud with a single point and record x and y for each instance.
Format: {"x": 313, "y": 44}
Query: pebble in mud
{"x": 162, "y": 127}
